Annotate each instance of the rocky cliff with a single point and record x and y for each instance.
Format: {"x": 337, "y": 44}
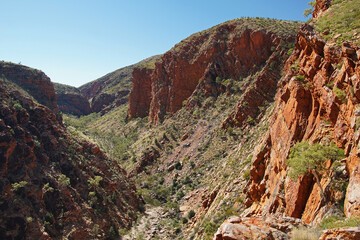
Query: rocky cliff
{"x": 33, "y": 81}
{"x": 70, "y": 100}
{"x": 317, "y": 101}
{"x": 232, "y": 50}
{"x": 55, "y": 185}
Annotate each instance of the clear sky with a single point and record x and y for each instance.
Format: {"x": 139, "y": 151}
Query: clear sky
{"x": 77, "y": 41}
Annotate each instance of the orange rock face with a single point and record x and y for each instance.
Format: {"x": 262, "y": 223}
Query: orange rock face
{"x": 320, "y": 7}
{"x": 341, "y": 233}
{"x": 237, "y": 228}
{"x": 316, "y": 101}
{"x": 226, "y": 51}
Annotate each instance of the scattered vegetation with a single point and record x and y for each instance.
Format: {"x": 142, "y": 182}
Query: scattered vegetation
{"x": 341, "y": 22}
{"x": 306, "y": 158}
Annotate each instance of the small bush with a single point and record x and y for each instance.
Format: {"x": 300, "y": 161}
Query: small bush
{"x": 246, "y": 175}
{"x": 191, "y": 214}
{"x": 64, "y": 180}
{"x": 17, "y": 186}
{"x": 300, "y": 78}
{"x": 178, "y": 166}
{"x": 340, "y": 94}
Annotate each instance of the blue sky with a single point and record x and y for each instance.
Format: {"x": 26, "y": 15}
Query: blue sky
{"x": 77, "y": 41}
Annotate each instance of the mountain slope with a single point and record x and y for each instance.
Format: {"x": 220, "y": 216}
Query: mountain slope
{"x": 112, "y": 89}
{"x": 232, "y": 50}
{"x": 55, "y": 184}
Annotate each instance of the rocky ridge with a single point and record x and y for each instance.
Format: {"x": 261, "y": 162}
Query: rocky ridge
{"x": 232, "y": 50}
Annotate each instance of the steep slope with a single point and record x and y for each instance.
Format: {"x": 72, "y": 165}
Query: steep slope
{"x": 33, "y": 81}
{"x": 232, "y": 50}
{"x": 317, "y": 101}
{"x": 70, "y": 100}
{"x": 112, "y": 90}
{"x": 54, "y": 184}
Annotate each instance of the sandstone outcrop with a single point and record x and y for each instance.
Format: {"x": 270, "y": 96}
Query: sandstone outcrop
{"x": 316, "y": 102}
{"x": 233, "y": 50}
{"x": 320, "y": 7}
{"x": 236, "y": 228}
{"x": 352, "y": 233}
{"x": 55, "y": 185}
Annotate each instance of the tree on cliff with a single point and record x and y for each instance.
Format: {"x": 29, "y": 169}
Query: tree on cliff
{"x": 310, "y": 159}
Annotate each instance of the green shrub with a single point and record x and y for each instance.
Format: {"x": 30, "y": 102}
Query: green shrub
{"x": 191, "y": 214}
{"x": 94, "y": 182}
{"x": 17, "y": 186}
{"x": 64, "y": 180}
{"x": 178, "y": 166}
{"x": 300, "y": 78}
{"x": 18, "y": 106}
{"x": 340, "y": 94}
{"x": 305, "y": 158}
{"x": 246, "y": 175}
{"x": 339, "y": 222}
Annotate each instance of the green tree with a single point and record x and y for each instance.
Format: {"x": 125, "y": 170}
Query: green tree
{"x": 309, "y": 11}
{"x": 309, "y": 159}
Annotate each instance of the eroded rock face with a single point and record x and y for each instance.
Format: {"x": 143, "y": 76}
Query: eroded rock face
{"x": 35, "y": 82}
{"x": 319, "y": 106}
{"x": 341, "y": 233}
{"x": 140, "y": 96}
{"x": 55, "y": 185}
{"x": 237, "y": 228}
{"x": 320, "y": 7}
{"x": 229, "y": 50}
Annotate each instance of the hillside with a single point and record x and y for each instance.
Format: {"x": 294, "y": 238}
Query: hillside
{"x": 71, "y": 101}
{"x": 112, "y": 90}
{"x": 55, "y": 183}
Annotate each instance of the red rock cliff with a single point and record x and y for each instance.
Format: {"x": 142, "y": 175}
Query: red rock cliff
{"x": 322, "y": 105}
{"x": 230, "y": 50}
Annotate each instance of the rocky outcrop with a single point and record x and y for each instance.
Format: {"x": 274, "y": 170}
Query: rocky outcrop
{"x": 35, "y": 82}
{"x": 236, "y": 228}
{"x": 316, "y": 102}
{"x": 320, "y": 7}
{"x": 341, "y": 233}
{"x": 233, "y": 50}
{"x": 140, "y": 96}
{"x": 70, "y": 100}
{"x": 55, "y": 185}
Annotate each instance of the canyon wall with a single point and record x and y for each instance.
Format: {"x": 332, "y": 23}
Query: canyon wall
{"x": 317, "y": 101}
{"x": 233, "y": 50}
